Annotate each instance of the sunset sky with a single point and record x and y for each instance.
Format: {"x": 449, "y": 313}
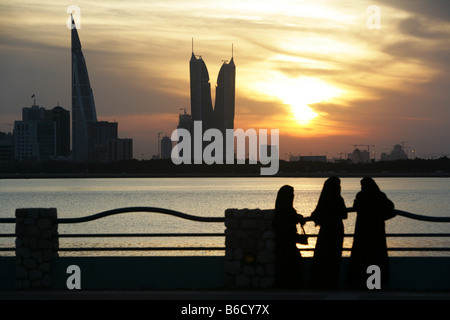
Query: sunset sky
{"x": 312, "y": 69}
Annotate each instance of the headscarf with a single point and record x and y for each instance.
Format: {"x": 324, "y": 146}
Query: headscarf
{"x": 369, "y": 185}
{"x": 331, "y": 189}
{"x": 285, "y": 199}
{"x": 330, "y": 204}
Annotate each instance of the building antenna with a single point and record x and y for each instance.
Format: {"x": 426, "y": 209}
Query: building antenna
{"x": 232, "y": 50}
{"x": 192, "y": 44}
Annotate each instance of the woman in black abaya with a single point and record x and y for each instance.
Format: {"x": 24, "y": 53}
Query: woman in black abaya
{"x": 373, "y": 208}
{"x": 288, "y": 260}
{"x": 329, "y": 213}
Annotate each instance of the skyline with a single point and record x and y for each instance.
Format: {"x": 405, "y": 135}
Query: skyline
{"x": 313, "y": 70}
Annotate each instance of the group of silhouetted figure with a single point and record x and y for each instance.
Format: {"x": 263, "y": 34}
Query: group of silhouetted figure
{"x": 369, "y": 243}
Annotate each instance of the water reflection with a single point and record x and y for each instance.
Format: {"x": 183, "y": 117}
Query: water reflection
{"x": 210, "y": 197}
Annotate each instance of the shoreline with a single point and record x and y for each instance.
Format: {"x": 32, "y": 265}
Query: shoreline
{"x": 225, "y": 175}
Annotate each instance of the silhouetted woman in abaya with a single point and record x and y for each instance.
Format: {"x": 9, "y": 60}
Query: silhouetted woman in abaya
{"x": 329, "y": 213}
{"x": 288, "y": 260}
{"x": 373, "y": 208}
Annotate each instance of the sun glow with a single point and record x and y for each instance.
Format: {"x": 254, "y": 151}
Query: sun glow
{"x": 299, "y": 94}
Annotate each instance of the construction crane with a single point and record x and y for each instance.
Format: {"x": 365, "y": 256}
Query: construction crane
{"x": 7, "y": 124}
{"x": 342, "y": 153}
{"x": 159, "y": 145}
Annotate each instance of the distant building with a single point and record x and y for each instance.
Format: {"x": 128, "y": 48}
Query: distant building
{"x": 34, "y": 113}
{"x": 397, "y": 153}
{"x": 185, "y": 122}
{"x": 268, "y": 150}
{"x": 201, "y": 103}
{"x": 104, "y": 144}
{"x": 6, "y": 147}
{"x": 166, "y": 147}
{"x": 34, "y": 140}
{"x": 42, "y": 134}
{"x": 225, "y": 97}
{"x": 358, "y": 156}
{"x": 61, "y": 120}
{"x": 99, "y": 135}
{"x": 119, "y": 150}
{"x": 26, "y": 146}
{"x": 293, "y": 158}
{"x": 92, "y": 140}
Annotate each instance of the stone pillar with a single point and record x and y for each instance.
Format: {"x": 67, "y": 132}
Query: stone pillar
{"x": 36, "y": 244}
{"x": 250, "y": 248}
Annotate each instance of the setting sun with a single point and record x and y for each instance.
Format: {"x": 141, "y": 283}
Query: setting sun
{"x": 303, "y": 113}
{"x": 298, "y": 94}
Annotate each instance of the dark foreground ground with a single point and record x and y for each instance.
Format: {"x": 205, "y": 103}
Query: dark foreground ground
{"x": 222, "y": 295}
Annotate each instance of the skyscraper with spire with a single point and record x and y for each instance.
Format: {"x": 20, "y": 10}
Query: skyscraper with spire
{"x": 201, "y": 104}
{"x": 83, "y": 105}
{"x": 225, "y": 97}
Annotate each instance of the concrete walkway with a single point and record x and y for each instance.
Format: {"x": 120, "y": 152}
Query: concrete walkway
{"x": 218, "y": 295}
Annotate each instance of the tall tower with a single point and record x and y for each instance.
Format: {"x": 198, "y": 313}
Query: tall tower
{"x": 83, "y": 105}
{"x": 225, "y": 97}
{"x": 201, "y": 105}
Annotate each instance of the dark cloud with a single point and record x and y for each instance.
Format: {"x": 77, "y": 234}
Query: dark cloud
{"x": 423, "y": 28}
{"x": 435, "y": 9}
{"x": 419, "y": 115}
{"x": 433, "y": 55}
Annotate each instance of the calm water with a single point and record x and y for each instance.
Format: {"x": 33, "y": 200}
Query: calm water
{"x": 210, "y": 197}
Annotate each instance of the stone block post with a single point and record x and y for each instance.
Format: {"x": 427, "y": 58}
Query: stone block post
{"x": 250, "y": 248}
{"x": 36, "y": 244}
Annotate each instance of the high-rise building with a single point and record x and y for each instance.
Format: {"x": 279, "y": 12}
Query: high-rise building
{"x": 105, "y": 145}
{"x": 118, "y": 150}
{"x": 225, "y": 97}
{"x": 42, "y": 134}
{"x": 185, "y": 121}
{"x": 61, "y": 120}
{"x": 6, "y": 147}
{"x": 92, "y": 141}
{"x": 99, "y": 135}
{"x": 83, "y": 105}
{"x": 166, "y": 147}
{"x": 201, "y": 105}
{"x": 34, "y": 113}
{"x": 26, "y": 145}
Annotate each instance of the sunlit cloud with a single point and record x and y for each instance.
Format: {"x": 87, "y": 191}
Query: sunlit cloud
{"x": 309, "y": 68}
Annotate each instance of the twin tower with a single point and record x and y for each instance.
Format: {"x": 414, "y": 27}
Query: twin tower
{"x": 222, "y": 116}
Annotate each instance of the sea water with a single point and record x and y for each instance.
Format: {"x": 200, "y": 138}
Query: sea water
{"x": 210, "y": 197}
